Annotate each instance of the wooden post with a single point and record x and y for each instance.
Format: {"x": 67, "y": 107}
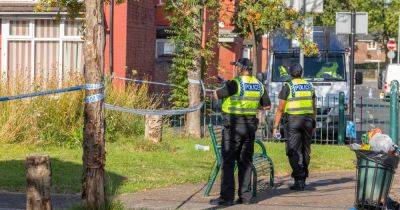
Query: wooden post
{"x": 94, "y": 153}
{"x": 153, "y": 128}
{"x": 38, "y": 180}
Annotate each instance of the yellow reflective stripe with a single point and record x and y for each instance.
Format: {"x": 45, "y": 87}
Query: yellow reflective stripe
{"x": 242, "y": 110}
{"x": 245, "y": 98}
{"x": 300, "y": 109}
{"x": 301, "y": 98}
{"x": 299, "y": 105}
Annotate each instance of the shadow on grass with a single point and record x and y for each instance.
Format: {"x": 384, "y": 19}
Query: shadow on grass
{"x": 66, "y": 183}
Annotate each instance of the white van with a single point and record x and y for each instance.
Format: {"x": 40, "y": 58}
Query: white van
{"x": 392, "y": 73}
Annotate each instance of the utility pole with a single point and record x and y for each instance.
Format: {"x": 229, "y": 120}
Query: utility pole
{"x": 352, "y": 41}
{"x": 398, "y": 43}
{"x": 94, "y": 153}
{"x": 303, "y": 12}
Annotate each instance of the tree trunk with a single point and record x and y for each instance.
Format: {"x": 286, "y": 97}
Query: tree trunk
{"x": 193, "y": 125}
{"x": 153, "y": 128}
{"x": 255, "y": 50}
{"x": 38, "y": 180}
{"x": 93, "y": 191}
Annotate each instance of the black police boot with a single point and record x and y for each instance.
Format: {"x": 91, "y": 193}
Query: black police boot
{"x": 298, "y": 185}
{"x": 221, "y": 202}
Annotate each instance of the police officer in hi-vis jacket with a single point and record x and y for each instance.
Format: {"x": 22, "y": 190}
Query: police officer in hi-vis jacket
{"x": 242, "y": 98}
{"x": 296, "y": 112}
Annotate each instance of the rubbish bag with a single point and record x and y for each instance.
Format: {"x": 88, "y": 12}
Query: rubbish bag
{"x": 381, "y": 143}
{"x": 374, "y": 178}
{"x": 350, "y": 130}
{"x": 373, "y": 132}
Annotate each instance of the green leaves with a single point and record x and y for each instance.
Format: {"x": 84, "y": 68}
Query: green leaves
{"x": 185, "y": 17}
{"x": 265, "y": 15}
{"x": 383, "y": 18}
{"x": 72, "y": 7}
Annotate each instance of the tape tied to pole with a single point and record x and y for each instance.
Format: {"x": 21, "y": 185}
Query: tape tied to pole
{"x": 94, "y": 98}
{"x": 97, "y": 86}
{"x": 194, "y": 81}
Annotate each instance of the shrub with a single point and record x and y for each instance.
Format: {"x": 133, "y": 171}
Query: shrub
{"x": 58, "y": 119}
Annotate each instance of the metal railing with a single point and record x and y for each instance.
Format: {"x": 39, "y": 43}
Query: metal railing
{"x": 332, "y": 116}
{"x": 327, "y": 121}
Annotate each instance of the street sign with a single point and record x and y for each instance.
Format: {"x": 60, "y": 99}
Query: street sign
{"x": 314, "y": 6}
{"x": 391, "y": 54}
{"x": 343, "y": 23}
{"x": 391, "y": 45}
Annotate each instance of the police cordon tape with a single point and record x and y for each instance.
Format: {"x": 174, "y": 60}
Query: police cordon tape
{"x": 146, "y": 82}
{"x": 98, "y": 97}
{"x": 161, "y": 112}
{"x": 137, "y": 81}
{"x": 51, "y": 92}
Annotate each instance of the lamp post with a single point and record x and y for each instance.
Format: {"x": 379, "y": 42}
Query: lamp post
{"x": 398, "y": 43}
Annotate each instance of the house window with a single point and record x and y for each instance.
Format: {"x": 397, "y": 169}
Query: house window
{"x": 247, "y": 52}
{"x": 372, "y": 45}
{"x": 164, "y": 47}
{"x": 41, "y": 50}
{"x": 160, "y": 2}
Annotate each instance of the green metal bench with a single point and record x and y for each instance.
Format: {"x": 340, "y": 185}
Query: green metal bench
{"x": 263, "y": 166}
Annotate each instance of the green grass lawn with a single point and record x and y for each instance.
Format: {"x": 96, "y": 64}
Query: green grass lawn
{"x": 134, "y": 165}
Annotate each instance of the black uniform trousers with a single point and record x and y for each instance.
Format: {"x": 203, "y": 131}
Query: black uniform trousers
{"x": 298, "y": 133}
{"x": 237, "y": 146}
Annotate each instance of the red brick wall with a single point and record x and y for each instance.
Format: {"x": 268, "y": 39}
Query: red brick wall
{"x": 141, "y": 37}
{"x": 160, "y": 16}
{"x": 0, "y": 50}
{"x": 227, "y": 13}
{"x": 362, "y": 54}
{"x": 228, "y": 53}
{"x": 264, "y": 54}
{"x": 120, "y": 34}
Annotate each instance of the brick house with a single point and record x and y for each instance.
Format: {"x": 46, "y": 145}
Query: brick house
{"x": 368, "y": 50}
{"x": 368, "y": 54}
{"x": 36, "y": 47}
{"x": 230, "y": 46}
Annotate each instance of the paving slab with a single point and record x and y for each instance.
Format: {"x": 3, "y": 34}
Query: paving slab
{"x": 17, "y": 201}
{"x": 323, "y": 191}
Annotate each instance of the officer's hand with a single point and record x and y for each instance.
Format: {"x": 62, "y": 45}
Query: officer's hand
{"x": 274, "y": 132}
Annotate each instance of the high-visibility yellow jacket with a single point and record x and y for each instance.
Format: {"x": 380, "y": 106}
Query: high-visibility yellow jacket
{"x": 246, "y": 100}
{"x": 300, "y": 99}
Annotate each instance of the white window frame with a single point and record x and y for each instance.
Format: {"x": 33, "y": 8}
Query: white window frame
{"x": 160, "y": 3}
{"x": 246, "y": 52}
{"x": 164, "y": 41}
{"x": 6, "y": 37}
{"x": 374, "y": 44}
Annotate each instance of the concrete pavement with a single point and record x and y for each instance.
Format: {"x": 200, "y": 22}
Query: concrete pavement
{"x": 324, "y": 191}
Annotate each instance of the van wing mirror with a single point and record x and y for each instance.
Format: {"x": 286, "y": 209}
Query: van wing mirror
{"x": 359, "y": 78}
